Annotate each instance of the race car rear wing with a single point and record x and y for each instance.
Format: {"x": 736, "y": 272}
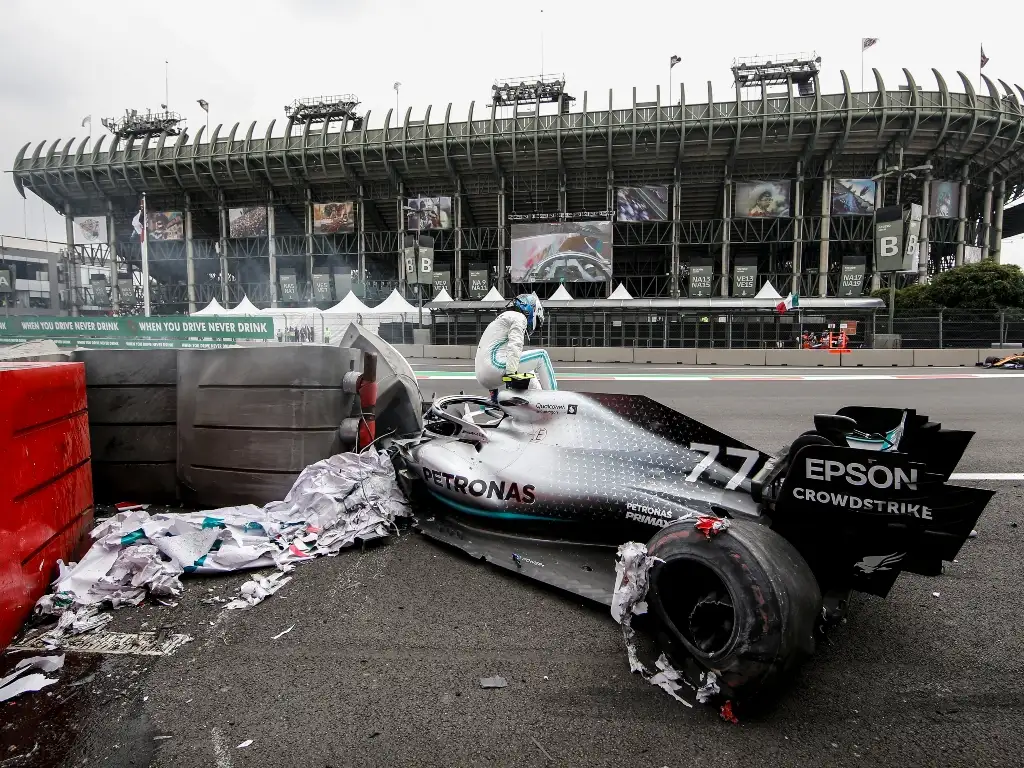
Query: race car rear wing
{"x": 861, "y": 517}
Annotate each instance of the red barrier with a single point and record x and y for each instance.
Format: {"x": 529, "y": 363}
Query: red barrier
{"x": 46, "y": 501}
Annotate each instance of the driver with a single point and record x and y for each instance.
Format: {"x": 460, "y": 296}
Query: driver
{"x": 501, "y": 347}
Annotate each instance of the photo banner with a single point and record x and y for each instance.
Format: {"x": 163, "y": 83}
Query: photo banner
{"x": 648, "y": 203}
{"x": 165, "y": 225}
{"x": 479, "y": 285}
{"x": 321, "y": 287}
{"x": 744, "y": 277}
{"x": 702, "y": 275}
{"x": 289, "y": 285}
{"x": 570, "y": 252}
{"x": 762, "y": 199}
{"x": 853, "y": 197}
{"x": 428, "y": 213}
{"x": 247, "y": 222}
{"x": 90, "y": 230}
{"x": 945, "y": 200}
{"x": 851, "y": 279}
{"x": 334, "y": 218}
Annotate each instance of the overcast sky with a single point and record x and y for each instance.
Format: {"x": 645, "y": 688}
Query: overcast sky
{"x": 62, "y": 60}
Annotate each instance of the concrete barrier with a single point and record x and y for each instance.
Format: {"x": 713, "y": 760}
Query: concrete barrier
{"x": 604, "y": 354}
{"x": 409, "y": 350}
{"x": 562, "y": 354}
{"x": 670, "y": 355}
{"x": 448, "y": 351}
{"x": 802, "y": 358}
{"x": 730, "y": 357}
{"x": 948, "y": 358}
{"x": 877, "y": 358}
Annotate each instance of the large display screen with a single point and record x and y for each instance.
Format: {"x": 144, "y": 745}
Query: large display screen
{"x": 853, "y": 197}
{"x": 642, "y": 203}
{"x": 573, "y": 252}
{"x": 428, "y": 213}
{"x": 762, "y": 199}
{"x": 945, "y": 202}
{"x": 333, "y": 218}
{"x": 247, "y": 222}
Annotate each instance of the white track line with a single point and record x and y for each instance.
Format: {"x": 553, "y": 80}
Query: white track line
{"x": 991, "y": 476}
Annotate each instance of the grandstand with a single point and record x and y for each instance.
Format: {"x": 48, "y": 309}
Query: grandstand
{"x": 701, "y": 195}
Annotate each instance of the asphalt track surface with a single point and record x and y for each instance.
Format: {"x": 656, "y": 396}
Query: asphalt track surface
{"x": 382, "y": 667}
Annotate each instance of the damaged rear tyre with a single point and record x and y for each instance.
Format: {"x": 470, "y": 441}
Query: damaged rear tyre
{"x": 742, "y": 604}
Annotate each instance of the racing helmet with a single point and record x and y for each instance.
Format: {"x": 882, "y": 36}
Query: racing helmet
{"x": 529, "y": 304}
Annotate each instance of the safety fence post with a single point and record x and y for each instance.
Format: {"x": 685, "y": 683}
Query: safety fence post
{"x": 1002, "y": 326}
{"x": 940, "y": 327}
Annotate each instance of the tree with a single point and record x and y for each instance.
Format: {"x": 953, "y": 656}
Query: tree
{"x": 985, "y": 285}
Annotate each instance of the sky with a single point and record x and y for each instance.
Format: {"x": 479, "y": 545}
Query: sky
{"x": 63, "y": 60}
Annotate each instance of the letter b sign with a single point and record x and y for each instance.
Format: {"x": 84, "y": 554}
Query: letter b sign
{"x": 890, "y": 247}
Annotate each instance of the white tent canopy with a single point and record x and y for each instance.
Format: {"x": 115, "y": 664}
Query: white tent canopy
{"x": 350, "y": 305}
{"x": 561, "y": 295}
{"x": 213, "y": 308}
{"x": 395, "y": 304}
{"x": 620, "y": 293}
{"x": 493, "y": 295}
{"x": 442, "y": 297}
{"x": 245, "y": 307}
{"x": 768, "y": 292}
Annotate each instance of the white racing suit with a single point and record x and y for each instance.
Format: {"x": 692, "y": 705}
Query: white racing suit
{"x": 501, "y": 352}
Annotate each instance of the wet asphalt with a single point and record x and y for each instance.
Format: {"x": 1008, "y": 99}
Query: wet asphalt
{"x": 389, "y": 642}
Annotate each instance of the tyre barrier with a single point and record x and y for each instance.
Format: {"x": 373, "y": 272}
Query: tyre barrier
{"x": 46, "y": 501}
{"x": 251, "y": 419}
{"x": 133, "y": 423}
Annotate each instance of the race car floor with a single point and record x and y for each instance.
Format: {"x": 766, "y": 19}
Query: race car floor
{"x": 388, "y": 644}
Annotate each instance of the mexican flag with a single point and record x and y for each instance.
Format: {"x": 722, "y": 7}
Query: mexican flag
{"x": 791, "y": 301}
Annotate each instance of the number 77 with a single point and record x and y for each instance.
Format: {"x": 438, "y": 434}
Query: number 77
{"x": 749, "y": 460}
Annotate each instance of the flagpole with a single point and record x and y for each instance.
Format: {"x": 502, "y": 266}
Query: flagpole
{"x": 145, "y": 259}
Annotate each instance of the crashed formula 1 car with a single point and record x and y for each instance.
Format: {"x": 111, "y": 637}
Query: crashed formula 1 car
{"x": 754, "y": 554}
{"x": 1011, "y": 362}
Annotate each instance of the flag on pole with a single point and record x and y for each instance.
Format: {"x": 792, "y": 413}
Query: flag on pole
{"x": 87, "y": 119}
{"x": 673, "y": 61}
{"x": 790, "y": 302}
{"x": 139, "y": 222}
{"x": 867, "y": 42}
{"x": 984, "y": 58}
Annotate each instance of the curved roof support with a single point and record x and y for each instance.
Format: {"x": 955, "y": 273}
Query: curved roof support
{"x": 210, "y": 152}
{"x": 812, "y": 140}
{"x": 195, "y": 154}
{"x": 362, "y": 140}
{"x": 77, "y": 164}
{"x": 93, "y": 160}
{"x": 883, "y": 101}
{"x": 140, "y": 164}
{"x": 632, "y": 138}
{"x": 384, "y": 144}
{"x": 156, "y": 165}
{"x": 125, "y": 154}
{"x": 1010, "y": 94}
{"x": 584, "y": 135}
{"x": 305, "y": 147}
{"x": 711, "y": 115}
{"x": 558, "y": 142}
{"x": 915, "y": 105}
{"x": 227, "y": 153}
{"x": 426, "y": 124}
{"x": 657, "y": 123}
{"x": 946, "y": 107}
{"x": 444, "y": 140}
{"x": 974, "y": 107}
{"x": 682, "y": 125}
{"x": 841, "y": 144}
{"x": 60, "y": 164}
{"x": 1012, "y": 147}
{"x": 405, "y": 139}
{"x": 494, "y": 157}
{"x": 284, "y": 153}
{"x": 323, "y": 145}
{"x": 46, "y": 167}
{"x": 19, "y": 184}
{"x": 608, "y": 133}
{"x": 997, "y": 129}
{"x": 764, "y": 115}
{"x": 342, "y": 136}
{"x": 266, "y": 149}
{"x": 469, "y": 134}
{"x": 245, "y": 152}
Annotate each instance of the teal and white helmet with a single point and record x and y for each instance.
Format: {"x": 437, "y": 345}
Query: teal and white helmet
{"x": 529, "y": 304}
